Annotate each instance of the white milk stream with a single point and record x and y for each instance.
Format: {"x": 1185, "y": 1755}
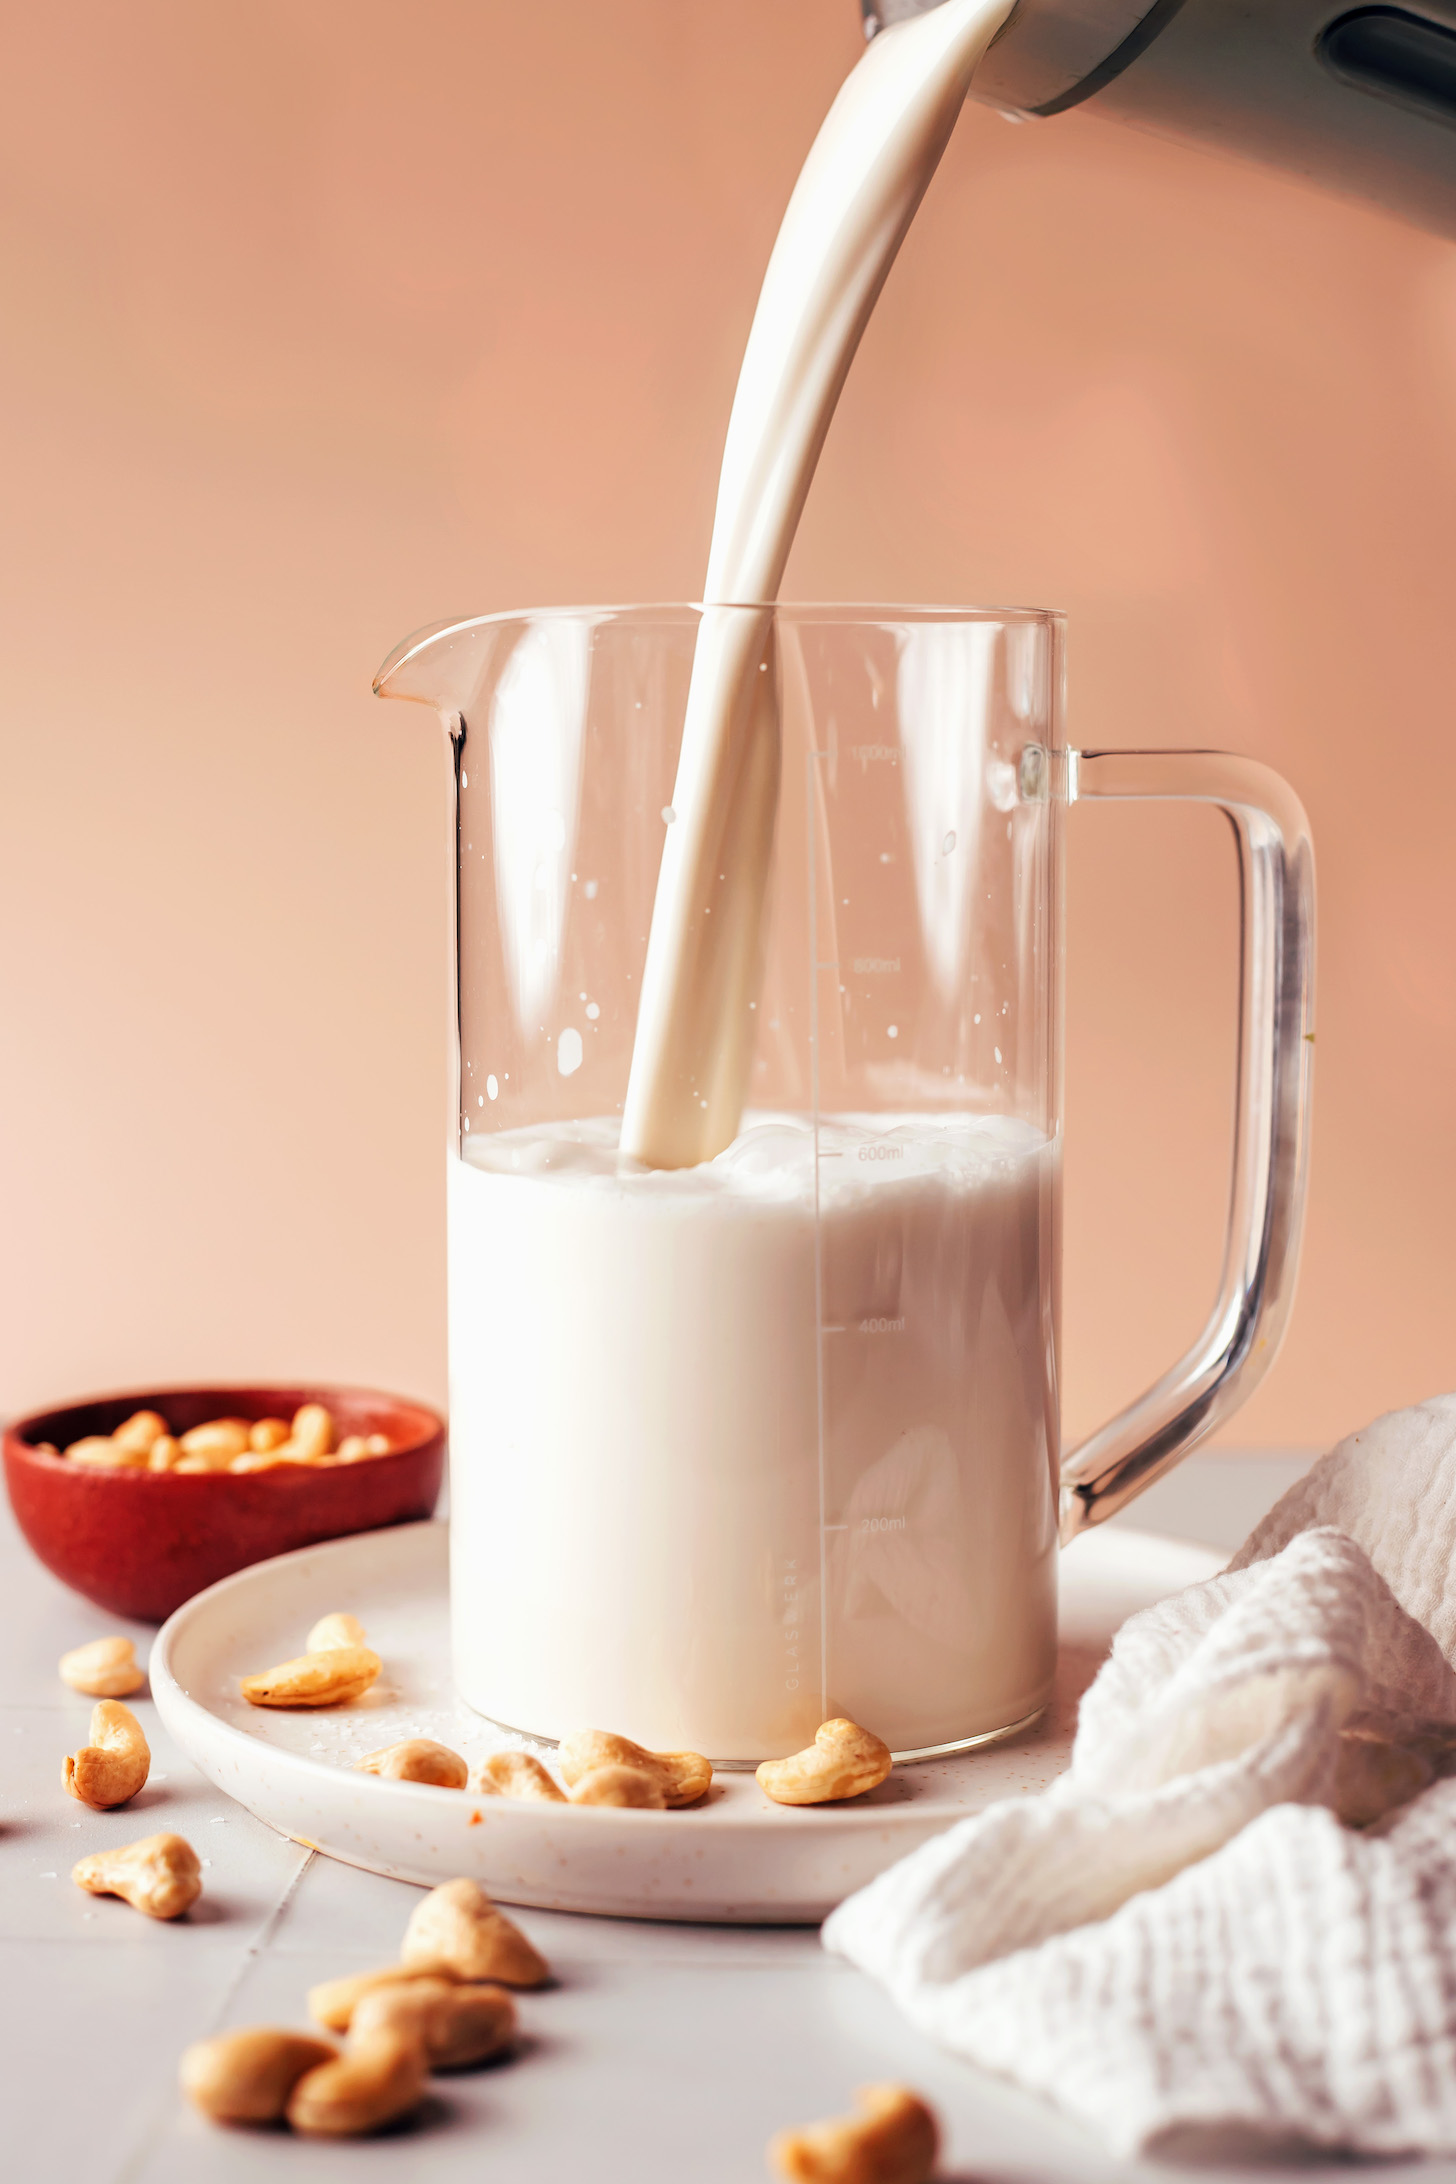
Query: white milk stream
{"x": 661, "y": 1381}
{"x": 856, "y": 195}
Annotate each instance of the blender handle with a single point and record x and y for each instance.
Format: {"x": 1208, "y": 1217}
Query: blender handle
{"x": 1271, "y": 1121}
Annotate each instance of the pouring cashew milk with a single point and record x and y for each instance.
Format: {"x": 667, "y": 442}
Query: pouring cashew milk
{"x": 854, "y": 200}
{"x": 639, "y": 1306}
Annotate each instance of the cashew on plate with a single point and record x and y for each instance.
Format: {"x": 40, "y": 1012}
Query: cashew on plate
{"x": 681, "y": 1777}
{"x": 843, "y": 1761}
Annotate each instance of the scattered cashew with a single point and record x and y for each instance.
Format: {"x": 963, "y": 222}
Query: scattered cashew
{"x": 843, "y": 1761}
{"x": 330, "y": 1678}
{"x": 457, "y": 1924}
{"x": 165, "y": 1454}
{"x": 266, "y": 1433}
{"x": 352, "y": 1449}
{"x": 335, "y": 1630}
{"x": 116, "y": 1762}
{"x": 893, "y": 2140}
{"x": 1373, "y": 1777}
{"x": 682, "y": 1777}
{"x": 379, "y": 2078}
{"x": 515, "y": 1774}
{"x": 456, "y": 2025}
{"x": 246, "y": 2077}
{"x": 98, "y": 1452}
{"x": 418, "y": 1759}
{"x": 107, "y": 1668}
{"x": 629, "y": 1786}
{"x": 334, "y": 2001}
{"x": 159, "y": 1875}
{"x": 141, "y": 1431}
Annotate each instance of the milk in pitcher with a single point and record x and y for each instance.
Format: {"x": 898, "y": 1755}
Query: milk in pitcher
{"x": 742, "y": 1469}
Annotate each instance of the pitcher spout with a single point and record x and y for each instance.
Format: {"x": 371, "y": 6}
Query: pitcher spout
{"x": 444, "y": 664}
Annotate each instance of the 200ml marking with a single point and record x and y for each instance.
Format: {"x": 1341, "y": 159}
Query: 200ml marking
{"x": 882, "y": 1524}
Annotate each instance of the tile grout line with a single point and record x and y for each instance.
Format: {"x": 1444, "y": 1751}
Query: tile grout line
{"x": 151, "y": 2134}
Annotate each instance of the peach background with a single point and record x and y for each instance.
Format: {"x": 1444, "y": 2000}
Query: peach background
{"x": 325, "y": 319}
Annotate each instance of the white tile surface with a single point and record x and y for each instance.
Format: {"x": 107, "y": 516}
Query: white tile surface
{"x": 663, "y": 2053}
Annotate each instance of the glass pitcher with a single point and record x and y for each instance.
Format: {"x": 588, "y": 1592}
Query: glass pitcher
{"x": 744, "y": 1446}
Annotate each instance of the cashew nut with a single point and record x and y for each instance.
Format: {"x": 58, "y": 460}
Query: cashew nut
{"x": 312, "y": 1433}
{"x": 222, "y": 1437}
{"x": 619, "y": 1786}
{"x": 457, "y": 1924}
{"x": 266, "y": 1433}
{"x": 115, "y": 1764}
{"x": 843, "y": 1761}
{"x": 418, "y": 1759}
{"x": 515, "y": 1774}
{"x": 98, "y": 1452}
{"x": 682, "y": 1777}
{"x": 893, "y": 2140}
{"x": 159, "y": 1875}
{"x": 456, "y": 2025}
{"x": 379, "y": 2078}
{"x": 1373, "y": 1777}
{"x": 335, "y": 1630}
{"x": 246, "y": 2077}
{"x": 142, "y": 1431}
{"x": 330, "y": 1678}
{"x": 165, "y": 1454}
{"x": 105, "y": 1669}
{"x": 334, "y": 2001}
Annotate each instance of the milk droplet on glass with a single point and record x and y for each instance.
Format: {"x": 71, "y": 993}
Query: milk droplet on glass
{"x": 568, "y": 1051}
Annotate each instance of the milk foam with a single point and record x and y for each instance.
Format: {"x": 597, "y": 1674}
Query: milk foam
{"x": 740, "y": 1447}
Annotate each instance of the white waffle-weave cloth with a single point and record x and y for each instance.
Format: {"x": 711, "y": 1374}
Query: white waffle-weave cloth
{"x": 1180, "y": 1944}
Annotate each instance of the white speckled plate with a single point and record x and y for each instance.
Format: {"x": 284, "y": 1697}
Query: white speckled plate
{"x": 736, "y": 1857}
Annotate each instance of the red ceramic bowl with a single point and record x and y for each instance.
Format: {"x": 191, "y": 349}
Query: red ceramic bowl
{"x": 142, "y": 1542}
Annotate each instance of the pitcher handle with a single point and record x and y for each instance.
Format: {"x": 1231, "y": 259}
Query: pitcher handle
{"x": 1271, "y": 1121}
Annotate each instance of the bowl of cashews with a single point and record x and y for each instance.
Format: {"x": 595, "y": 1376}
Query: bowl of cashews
{"x": 139, "y": 1501}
